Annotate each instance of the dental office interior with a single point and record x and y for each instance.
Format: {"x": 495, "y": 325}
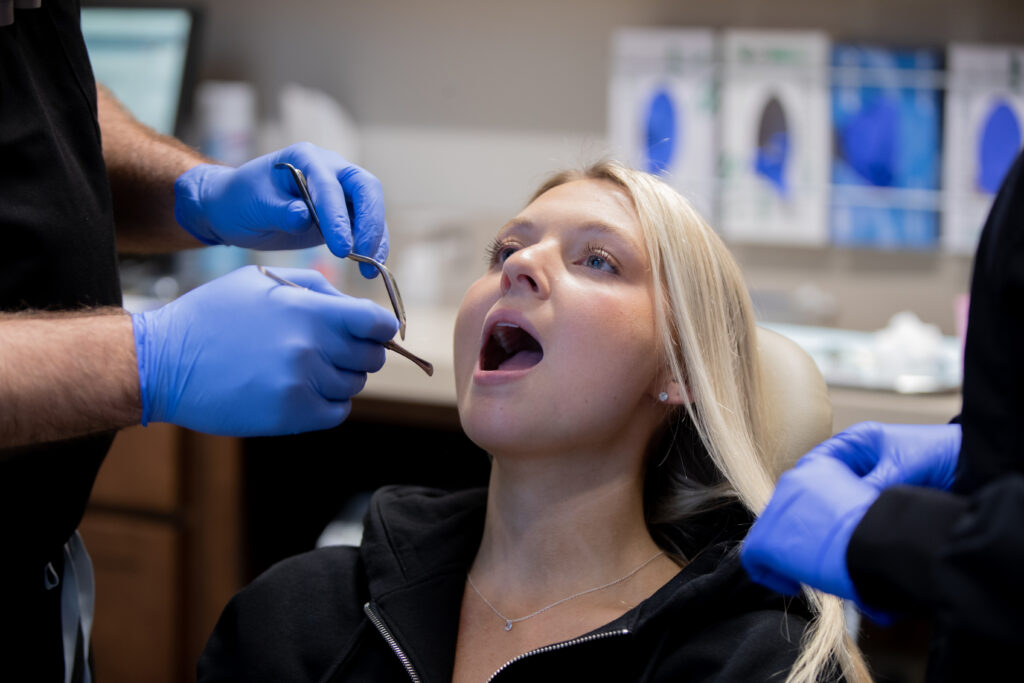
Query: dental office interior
{"x": 847, "y": 152}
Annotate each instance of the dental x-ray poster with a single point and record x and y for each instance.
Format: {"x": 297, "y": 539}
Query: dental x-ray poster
{"x": 662, "y": 108}
{"x": 887, "y": 135}
{"x": 775, "y": 137}
{"x": 984, "y": 123}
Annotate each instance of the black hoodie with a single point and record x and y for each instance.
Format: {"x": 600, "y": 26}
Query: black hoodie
{"x": 389, "y": 611}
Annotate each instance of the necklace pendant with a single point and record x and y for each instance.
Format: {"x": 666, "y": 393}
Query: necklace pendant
{"x": 508, "y": 625}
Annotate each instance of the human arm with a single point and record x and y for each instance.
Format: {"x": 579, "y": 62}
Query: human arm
{"x": 64, "y": 375}
{"x": 142, "y": 166}
{"x": 241, "y": 355}
{"x": 803, "y": 533}
{"x": 956, "y": 558}
{"x": 168, "y": 197}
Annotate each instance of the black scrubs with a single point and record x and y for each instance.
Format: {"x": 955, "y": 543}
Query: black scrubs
{"x": 56, "y": 252}
{"x": 959, "y": 557}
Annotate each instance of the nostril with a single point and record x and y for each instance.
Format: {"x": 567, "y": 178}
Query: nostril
{"x": 529, "y": 280}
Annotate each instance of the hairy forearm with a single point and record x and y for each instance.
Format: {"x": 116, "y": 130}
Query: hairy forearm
{"x": 143, "y": 165}
{"x": 64, "y": 375}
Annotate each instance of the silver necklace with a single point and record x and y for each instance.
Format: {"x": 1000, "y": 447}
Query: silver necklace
{"x": 509, "y": 622}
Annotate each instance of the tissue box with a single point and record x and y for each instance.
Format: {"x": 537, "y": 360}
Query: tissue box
{"x": 775, "y": 142}
{"x": 662, "y": 107}
{"x": 886, "y": 114}
{"x": 984, "y": 120}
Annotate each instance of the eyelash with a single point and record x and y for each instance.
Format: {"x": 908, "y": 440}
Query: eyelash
{"x": 497, "y": 248}
{"x": 601, "y": 252}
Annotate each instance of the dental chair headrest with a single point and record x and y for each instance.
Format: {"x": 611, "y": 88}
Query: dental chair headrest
{"x": 798, "y": 412}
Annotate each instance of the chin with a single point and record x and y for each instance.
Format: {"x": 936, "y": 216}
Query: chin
{"x": 498, "y": 430}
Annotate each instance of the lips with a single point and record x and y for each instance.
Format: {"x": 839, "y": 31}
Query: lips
{"x": 508, "y": 347}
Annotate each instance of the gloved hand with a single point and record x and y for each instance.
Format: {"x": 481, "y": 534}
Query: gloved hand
{"x": 259, "y": 206}
{"x": 245, "y": 356}
{"x": 803, "y": 534}
{"x": 915, "y": 455}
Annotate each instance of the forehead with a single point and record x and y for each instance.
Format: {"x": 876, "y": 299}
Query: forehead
{"x": 598, "y": 204}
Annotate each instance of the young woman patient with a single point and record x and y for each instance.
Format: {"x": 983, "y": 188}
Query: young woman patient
{"x": 606, "y": 360}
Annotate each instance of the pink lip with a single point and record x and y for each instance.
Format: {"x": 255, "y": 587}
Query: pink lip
{"x": 492, "y": 377}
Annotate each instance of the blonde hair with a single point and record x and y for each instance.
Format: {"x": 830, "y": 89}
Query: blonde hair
{"x": 706, "y": 325}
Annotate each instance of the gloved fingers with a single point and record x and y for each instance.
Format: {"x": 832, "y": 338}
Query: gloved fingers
{"x": 322, "y": 169}
{"x": 886, "y": 474}
{"x": 310, "y": 279}
{"x": 344, "y": 352}
{"x": 770, "y": 579}
{"x": 323, "y": 414}
{"x": 381, "y": 255}
{"x": 858, "y": 447}
{"x": 366, "y": 196}
{"x": 295, "y": 217}
{"x": 364, "y": 319}
{"x": 338, "y": 385}
{"x": 918, "y": 455}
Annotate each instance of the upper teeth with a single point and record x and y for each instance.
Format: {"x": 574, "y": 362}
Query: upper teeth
{"x": 506, "y": 325}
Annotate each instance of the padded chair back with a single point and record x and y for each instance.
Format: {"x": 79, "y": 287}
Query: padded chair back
{"x": 798, "y": 410}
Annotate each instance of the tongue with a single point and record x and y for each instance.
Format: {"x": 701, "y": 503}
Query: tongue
{"x": 521, "y": 360}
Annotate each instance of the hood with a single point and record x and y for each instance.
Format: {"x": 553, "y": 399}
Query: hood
{"x": 414, "y": 533}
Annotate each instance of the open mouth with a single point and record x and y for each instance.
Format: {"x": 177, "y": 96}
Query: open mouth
{"x": 510, "y": 347}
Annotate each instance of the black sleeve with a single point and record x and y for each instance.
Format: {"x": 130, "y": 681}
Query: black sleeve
{"x": 955, "y": 558}
{"x": 993, "y": 389}
{"x": 293, "y": 623}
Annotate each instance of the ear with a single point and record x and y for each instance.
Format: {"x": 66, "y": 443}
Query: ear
{"x": 677, "y": 394}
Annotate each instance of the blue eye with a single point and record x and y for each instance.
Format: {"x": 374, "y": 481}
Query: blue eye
{"x": 499, "y": 251}
{"x": 599, "y": 259}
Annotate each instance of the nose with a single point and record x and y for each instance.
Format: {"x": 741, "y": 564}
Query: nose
{"x": 524, "y": 270}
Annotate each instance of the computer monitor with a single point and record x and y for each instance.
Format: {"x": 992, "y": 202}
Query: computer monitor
{"x": 145, "y": 55}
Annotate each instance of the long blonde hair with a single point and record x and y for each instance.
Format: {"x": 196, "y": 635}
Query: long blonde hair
{"x": 706, "y": 325}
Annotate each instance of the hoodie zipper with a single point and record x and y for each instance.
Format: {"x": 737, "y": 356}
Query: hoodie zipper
{"x": 559, "y": 646}
{"x": 392, "y": 643}
{"x": 404, "y": 658}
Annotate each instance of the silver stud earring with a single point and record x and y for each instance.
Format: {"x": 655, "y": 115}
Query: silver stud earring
{"x": 663, "y": 396}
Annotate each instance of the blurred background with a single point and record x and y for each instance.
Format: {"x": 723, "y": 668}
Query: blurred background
{"x": 846, "y": 151}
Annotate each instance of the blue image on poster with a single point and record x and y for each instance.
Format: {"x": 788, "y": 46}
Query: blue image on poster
{"x": 663, "y": 133}
{"x": 773, "y": 146}
{"x": 997, "y": 148}
{"x": 887, "y": 135}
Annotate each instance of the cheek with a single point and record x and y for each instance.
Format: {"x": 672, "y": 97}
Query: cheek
{"x": 622, "y": 329}
{"x": 468, "y": 323}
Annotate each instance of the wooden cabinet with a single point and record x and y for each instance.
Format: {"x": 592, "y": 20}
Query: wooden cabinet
{"x": 164, "y": 532}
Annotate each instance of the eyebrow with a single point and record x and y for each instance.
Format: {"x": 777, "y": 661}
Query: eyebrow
{"x": 590, "y": 226}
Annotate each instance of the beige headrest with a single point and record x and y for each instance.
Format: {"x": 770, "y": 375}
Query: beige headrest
{"x": 798, "y": 411}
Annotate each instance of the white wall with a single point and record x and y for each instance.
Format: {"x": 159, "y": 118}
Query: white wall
{"x": 464, "y": 105}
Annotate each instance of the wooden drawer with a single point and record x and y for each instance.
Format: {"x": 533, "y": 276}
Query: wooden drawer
{"x": 142, "y": 470}
{"x": 138, "y": 623}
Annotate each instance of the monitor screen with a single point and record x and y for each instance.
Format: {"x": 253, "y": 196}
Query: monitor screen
{"x": 141, "y": 54}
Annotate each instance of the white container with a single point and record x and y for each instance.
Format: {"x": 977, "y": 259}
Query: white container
{"x": 985, "y": 93}
{"x": 226, "y": 117}
{"x": 662, "y": 108}
{"x": 775, "y": 137}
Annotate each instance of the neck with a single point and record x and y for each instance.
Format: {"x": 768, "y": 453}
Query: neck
{"x": 558, "y": 525}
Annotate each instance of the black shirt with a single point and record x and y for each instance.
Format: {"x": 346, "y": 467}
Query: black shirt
{"x": 56, "y": 252}
{"x": 956, "y": 556}
{"x": 391, "y": 607}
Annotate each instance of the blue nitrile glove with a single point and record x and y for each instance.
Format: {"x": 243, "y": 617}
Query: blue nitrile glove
{"x": 803, "y": 534}
{"x": 259, "y": 206}
{"x": 915, "y": 455}
{"x": 246, "y": 356}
